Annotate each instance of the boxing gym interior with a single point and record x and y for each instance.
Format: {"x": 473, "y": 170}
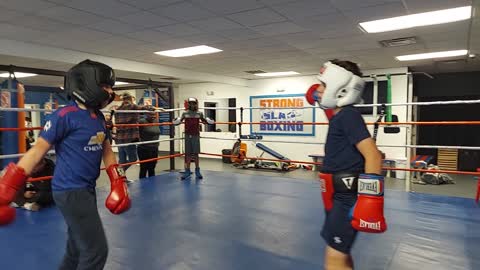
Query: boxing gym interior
{"x": 249, "y": 64}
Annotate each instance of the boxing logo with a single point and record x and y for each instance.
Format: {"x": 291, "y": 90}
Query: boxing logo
{"x": 370, "y": 187}
{"x": 348, "y": 181}
{"x": 47, "y": 126}
{"x": 95, "y": 142}
{"x": 370, "y": 225}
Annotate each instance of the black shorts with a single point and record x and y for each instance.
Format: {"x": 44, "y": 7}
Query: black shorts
{"x": 192, "y": 144}
{"x": 337, "y": 230}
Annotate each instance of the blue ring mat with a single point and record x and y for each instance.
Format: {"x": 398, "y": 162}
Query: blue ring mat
{"x": 239, "y": 221}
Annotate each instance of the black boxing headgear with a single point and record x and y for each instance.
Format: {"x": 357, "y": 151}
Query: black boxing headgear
{"x": 192, "y": 104}
{"x": 85, "y": 81}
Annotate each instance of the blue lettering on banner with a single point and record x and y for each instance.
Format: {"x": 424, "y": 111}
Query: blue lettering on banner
{"x": 284, "y": 126}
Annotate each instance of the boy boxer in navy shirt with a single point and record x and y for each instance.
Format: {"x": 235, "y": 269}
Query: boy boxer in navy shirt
{"x": 352, "y": 187}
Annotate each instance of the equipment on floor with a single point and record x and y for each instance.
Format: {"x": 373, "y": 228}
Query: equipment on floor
{"x": 240, "y": 156}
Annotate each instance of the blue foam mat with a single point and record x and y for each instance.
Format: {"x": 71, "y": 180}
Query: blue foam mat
{"x": 238, "y": 221}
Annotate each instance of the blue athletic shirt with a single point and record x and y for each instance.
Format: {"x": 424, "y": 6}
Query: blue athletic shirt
{"x": 77, "y": 135}
{"x": 346, "y": 129}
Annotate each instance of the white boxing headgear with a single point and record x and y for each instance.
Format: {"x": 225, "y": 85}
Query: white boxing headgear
{"x": 342, "y": 87}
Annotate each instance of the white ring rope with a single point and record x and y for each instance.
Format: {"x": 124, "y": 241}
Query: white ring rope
{"x": 105, "y": 111}
{"x": 379, "y": 145}
{"x": 476, "y": 101}
{"x": 117, "y": 145}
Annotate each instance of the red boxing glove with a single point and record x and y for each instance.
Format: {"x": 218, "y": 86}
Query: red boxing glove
{"x": 367, "y": 213}
{"x": 12, "y": 179}
{"x": 311, "y": 94}
{"x": 118, "y": 200}
{"x": 327, "y": 187}
{"x": 7, "y": 214}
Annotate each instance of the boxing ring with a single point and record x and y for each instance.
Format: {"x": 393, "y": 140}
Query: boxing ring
{"x": 238, "y": 221}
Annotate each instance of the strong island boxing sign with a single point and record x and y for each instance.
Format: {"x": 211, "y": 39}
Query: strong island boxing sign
{"x": 281, "y": 115}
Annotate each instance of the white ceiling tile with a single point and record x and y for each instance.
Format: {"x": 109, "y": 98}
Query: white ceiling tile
{"x": 415, "y": 6}
{"x": 104, "y": 8}
{"x": 10, "y": 15}
{"x": 20, "y": 33}
{"x": 215, "y": 24}
{"x": 174, "y": 43}
{"x": 43, "y": 24}
{"x": 146, "y": 19}
{"x": 180, "y": 30}
{"x": 228, "y": 6}
{"x": 205, "y": 39}
{"x": 322, "y": 50}
{"x": 346, "y": 5}
{"x": 376, "y": 12}
{"x": 148, "y": 4}
{"x": 356, "y": 46}
{"x": 305, "y": 8}
{"x": 257, "y": 17}
{"x": 275, "y": 2}
{"x": 149, "y": 36}
{"x": 239, "y": 34}
{"x": 69, "y": 15}
{"x": 183, "y": 12}
{"x": 278, "y": 28}
{"x": 303, "y": 40}
{"x": 78, "y": 35}
{"x": 114, "y": 27}
{"x": 26, "y": 6}
{"x": 445, "y": 45}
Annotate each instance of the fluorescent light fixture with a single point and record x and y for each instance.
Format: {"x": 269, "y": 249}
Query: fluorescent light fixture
{"x": 275, "y": 74}
{"x": 189, "y": 51}
{"x": 18, "y": 75}
{"x": 419, "y": 19}
{"x": 117, "y": 83}
{"x": 431, "y": 55}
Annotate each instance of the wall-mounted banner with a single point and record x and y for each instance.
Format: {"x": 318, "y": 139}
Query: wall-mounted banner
{"x": 283, "y": 115}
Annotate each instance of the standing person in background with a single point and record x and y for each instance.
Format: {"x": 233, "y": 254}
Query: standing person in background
{"x": 109, "y": 124}
{"x": 192, "y": 118}
{"x": 128, "y": 153}
{"x": 149, "y": 150}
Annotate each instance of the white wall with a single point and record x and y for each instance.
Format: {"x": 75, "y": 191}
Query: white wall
{"x": 284, "y": 86}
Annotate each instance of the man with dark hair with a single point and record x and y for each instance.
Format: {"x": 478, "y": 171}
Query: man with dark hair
{"x": 127, "y": 153}
{"x": 351, "y": 181}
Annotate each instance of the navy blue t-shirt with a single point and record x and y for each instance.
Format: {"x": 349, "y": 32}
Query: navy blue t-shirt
{"x": 78, "y": 136}
{"x": 346, "y": 129}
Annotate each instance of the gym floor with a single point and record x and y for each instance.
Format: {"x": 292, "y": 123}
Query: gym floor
{"x": 247, "y": 219}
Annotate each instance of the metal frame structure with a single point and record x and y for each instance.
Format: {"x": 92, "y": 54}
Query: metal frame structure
{"x": 141, "y": 84}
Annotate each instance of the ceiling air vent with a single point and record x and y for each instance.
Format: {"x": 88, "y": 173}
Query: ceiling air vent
{"x": 254, "y": 71}
{"x": 398, "y": 42}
